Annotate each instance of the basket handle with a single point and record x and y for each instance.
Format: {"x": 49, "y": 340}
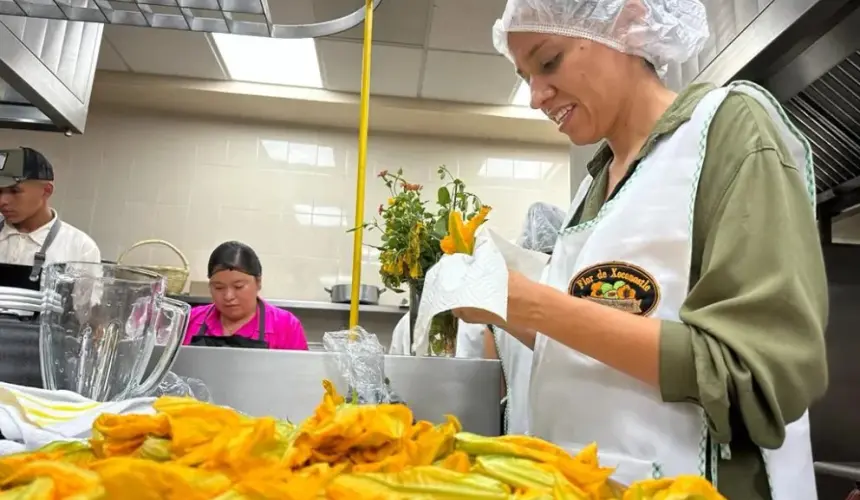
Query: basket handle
{"x": 156, "y": 242}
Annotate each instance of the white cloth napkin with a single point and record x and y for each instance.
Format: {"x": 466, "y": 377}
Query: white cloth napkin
{"x": 31, "y": 418}
{"x": 478, "y": 281}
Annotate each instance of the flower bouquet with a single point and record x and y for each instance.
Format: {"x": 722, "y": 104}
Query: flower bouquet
{"x": 416, "y": 234}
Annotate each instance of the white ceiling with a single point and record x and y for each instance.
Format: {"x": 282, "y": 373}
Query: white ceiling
{"x": 433, "y": 49}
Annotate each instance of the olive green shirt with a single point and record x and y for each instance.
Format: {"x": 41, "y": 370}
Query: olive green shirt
{"x": 750, "y": 347}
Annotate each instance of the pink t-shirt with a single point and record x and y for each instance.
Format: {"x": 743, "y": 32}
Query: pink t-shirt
{"x": 283, "y": 329}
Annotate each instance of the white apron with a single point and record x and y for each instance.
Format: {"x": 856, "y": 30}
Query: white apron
{"x": 470, "y": 341}
{"x": 516, "y": 361}
{"x": 635, "y": 255}
{"x": 400, "y": 338}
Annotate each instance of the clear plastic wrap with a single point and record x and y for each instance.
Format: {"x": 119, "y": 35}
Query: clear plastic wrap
{"x": 540, "y": 230}
{"x": 660, "y": 31}
{"x": 361, "y": 362}
{"x": 188, "y": 387}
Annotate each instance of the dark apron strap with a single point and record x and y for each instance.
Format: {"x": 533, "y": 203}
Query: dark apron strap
{"x": 261, "y": 322}
{"x": 201, "y": 332}
{"x": 39, "y": 258}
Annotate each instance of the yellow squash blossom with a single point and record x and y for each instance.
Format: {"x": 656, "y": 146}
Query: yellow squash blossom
{"x": 417, "y": 483}
{"x": 66, "y": 481}
{"x": 191, "y": 450}
{"x": 678, "y": 488}
{"x": 582, "y": 470}
{"x": 461, "y": 235}
{"x": 282, "y": 484}
{"x": 138, "y": 479}
{"x": 122, "y": 435}
{"x": 457, "y": 461}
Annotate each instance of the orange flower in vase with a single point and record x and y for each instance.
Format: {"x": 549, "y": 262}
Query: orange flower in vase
{"x": 461, "y": 236}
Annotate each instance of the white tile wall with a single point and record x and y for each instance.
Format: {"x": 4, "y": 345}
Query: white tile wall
{"x": 287, "y": 192}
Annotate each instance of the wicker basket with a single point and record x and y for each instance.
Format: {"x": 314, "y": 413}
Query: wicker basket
{"x": 176, "y": 276}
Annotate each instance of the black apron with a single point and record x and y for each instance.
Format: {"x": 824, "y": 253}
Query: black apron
{"x": 201, "y": 338}
{"x": 19, "y": 358}
{"x": 28, "y": 277}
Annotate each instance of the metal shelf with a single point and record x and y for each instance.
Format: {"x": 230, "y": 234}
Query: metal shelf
{"x": 306, "y": 305}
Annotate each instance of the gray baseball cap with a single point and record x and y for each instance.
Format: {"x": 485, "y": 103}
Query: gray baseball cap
{"x": 23, "y": 164}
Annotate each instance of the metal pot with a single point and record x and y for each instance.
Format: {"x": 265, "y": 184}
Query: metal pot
{"x": 367, "y": 294}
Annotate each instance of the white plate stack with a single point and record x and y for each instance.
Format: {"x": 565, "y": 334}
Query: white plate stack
{"x": 23, "y": 303}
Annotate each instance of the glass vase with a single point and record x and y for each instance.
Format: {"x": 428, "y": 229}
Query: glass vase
{"x": 443, "y": 329}
{"x": 443, "y": 335}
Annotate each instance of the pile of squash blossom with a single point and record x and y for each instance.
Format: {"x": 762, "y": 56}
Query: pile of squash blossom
{"x": 190, "y": 450}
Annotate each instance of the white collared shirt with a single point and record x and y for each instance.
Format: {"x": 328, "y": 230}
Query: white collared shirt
{"x": 70, "y": 244}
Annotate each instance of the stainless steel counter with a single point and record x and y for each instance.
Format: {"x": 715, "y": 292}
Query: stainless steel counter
{"x": 844, "y": 470}
{"x": 288, "y": 384}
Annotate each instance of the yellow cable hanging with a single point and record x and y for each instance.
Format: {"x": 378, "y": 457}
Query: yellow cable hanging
{"x": 362, "y": 163}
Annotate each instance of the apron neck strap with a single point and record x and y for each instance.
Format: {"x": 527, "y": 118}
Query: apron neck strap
{"x": 39, "y": 258}
{"x": 261, "y": 320}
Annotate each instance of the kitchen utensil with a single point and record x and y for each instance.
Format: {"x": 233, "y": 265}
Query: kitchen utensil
{"x": 21, "y": 292}
{"x": 4, "y": 297}
{"x": 367, "y": 294}
{"x": 22, "y": 304}
{"x": 98, "y": 342}
{"x": 19, "y": 308}
{"x": 176, "y": 276}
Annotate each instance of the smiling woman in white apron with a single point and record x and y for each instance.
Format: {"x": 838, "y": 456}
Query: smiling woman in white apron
{"x": 681, "y": 319}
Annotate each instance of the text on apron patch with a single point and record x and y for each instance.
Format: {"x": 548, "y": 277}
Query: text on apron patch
{"x": 619, "y": 285}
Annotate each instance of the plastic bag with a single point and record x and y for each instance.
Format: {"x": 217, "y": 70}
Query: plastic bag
{"x": 188, "y": 387}
{"x": 361, "y": 362}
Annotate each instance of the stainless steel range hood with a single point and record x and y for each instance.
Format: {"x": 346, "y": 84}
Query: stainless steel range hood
{"x": 49, "y": 48}
{"x": 806, "y": 53}
{"x": 46, "y": 73}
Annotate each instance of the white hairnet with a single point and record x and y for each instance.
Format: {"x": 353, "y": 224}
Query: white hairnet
{"x": 540, "y": 231}
{"x": 660, "y": 31}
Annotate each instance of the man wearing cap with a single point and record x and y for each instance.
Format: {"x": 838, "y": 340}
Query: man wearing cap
{"x": 31, "y": 233}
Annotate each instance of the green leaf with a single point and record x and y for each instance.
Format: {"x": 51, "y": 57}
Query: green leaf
{"x": 443, "y": 197}
{"x": 441, "y": 227}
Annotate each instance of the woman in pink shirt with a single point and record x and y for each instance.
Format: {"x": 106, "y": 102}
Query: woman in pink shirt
{"x": 238, "y": 317}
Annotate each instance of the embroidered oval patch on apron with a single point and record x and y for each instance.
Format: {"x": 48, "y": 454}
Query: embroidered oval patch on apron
{"x": 619, "y": 285}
